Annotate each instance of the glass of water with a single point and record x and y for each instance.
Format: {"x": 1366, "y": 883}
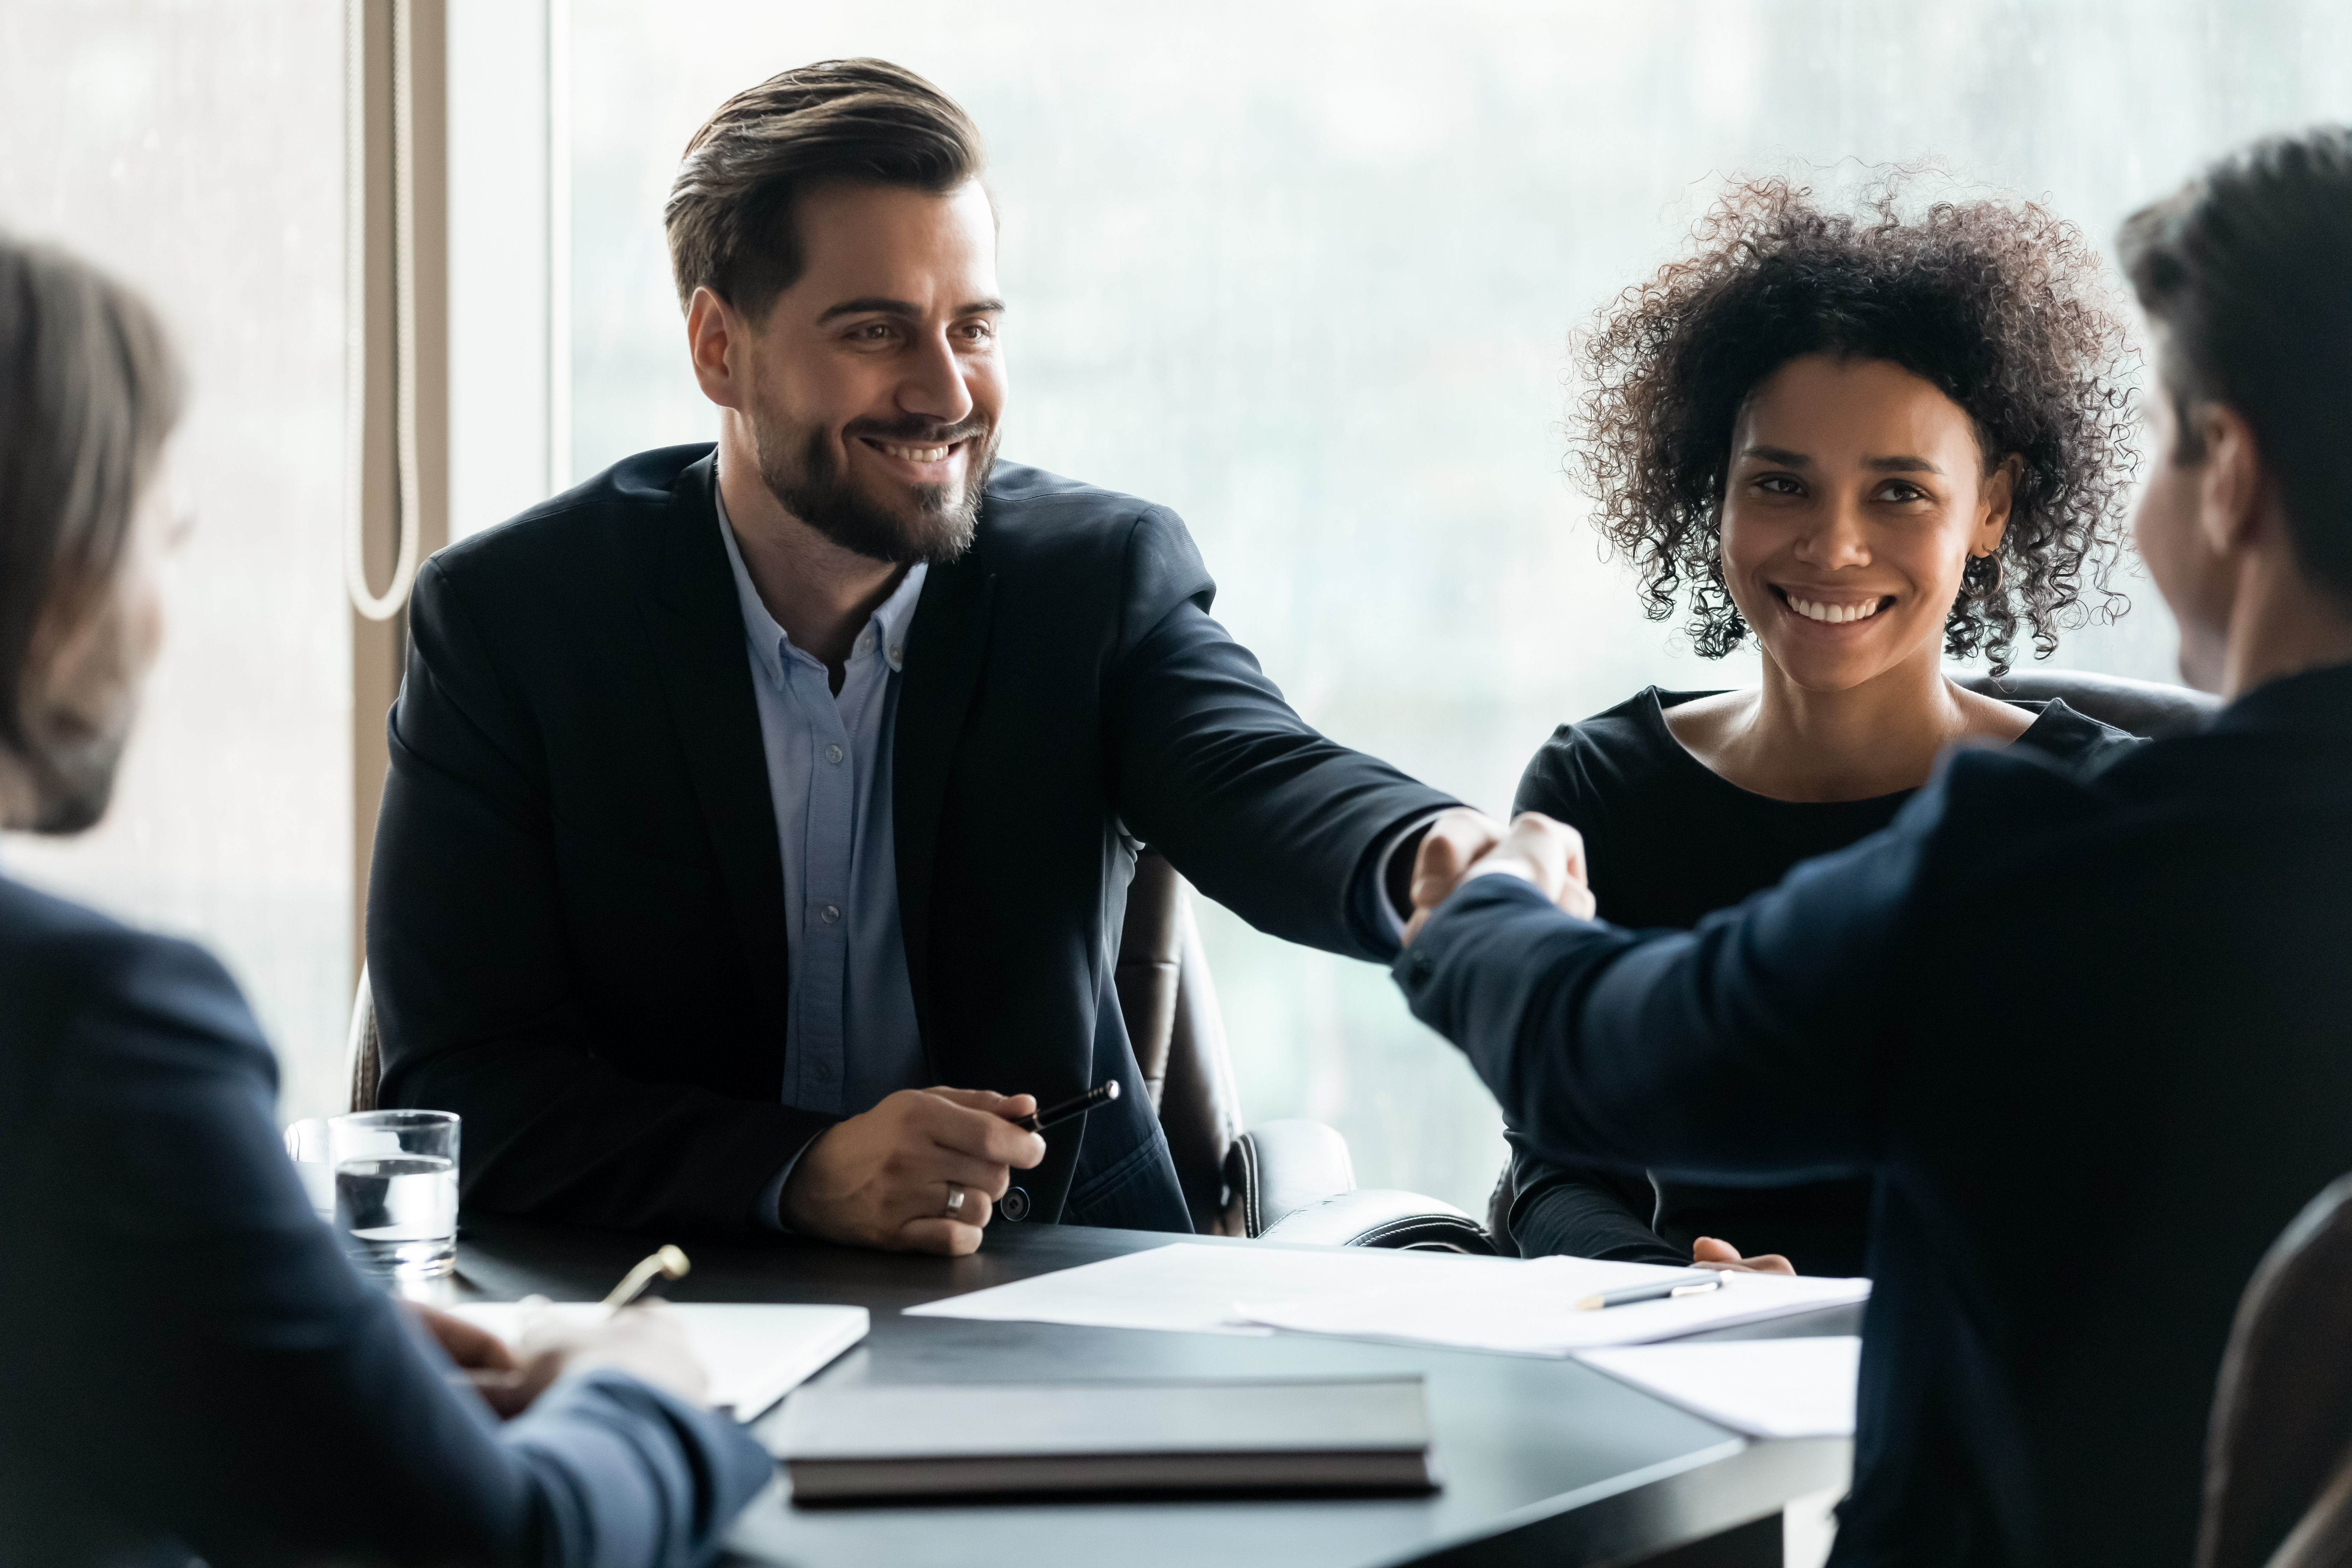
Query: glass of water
{"x": 397, "y": 1189}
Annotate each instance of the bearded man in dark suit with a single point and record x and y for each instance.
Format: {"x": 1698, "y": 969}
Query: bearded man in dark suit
{"x": 744, "y": 795}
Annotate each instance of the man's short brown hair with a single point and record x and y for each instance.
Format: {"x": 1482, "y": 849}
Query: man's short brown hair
{"x": 730, "y": 209}
{"x": 2245, "y": 267}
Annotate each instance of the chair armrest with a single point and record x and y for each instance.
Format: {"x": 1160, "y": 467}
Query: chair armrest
{"x": 2148, "y": 708}
{"x": 1277, "y": 1167}
{"x": 1383, "y": 1217}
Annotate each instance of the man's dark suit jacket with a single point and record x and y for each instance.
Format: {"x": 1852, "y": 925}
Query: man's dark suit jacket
{"x": 2092, "y": 1033}
{"x": 190, "y": 1366}
{"x": 576, "y": 920}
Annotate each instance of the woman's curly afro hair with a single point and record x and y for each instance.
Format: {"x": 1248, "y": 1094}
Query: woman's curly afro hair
{"x": 1999, "y": 304}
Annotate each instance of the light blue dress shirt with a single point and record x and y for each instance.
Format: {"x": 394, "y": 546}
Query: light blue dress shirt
{"x": 851, "y": 1036}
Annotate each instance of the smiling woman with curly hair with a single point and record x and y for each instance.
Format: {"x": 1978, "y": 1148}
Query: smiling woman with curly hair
{"x": 1869, "y": 442}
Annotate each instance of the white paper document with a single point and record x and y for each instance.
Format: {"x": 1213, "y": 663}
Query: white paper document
{"x": 1418, "y": 1298}
{"x": 1765, "y": 1388}
{"x": 755, "y": 1354}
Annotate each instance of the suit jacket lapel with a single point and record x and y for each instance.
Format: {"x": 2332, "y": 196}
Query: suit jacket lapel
{"x": 696, "y": 628}
{"x": 945, "y": 647}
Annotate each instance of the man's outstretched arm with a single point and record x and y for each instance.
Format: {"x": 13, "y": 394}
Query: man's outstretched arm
{"x": 1289, "y": 829}
{"x": 1738, "y": 1049}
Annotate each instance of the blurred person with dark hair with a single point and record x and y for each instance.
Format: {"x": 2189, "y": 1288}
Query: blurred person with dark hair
{"x": 747, "y": 795}
{"x": 2084, "y": 1024}
{"x": 1869, "y": 442}
{"x": 193, "y": 1367}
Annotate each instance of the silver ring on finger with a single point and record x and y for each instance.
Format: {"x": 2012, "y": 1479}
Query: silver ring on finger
{"x": 955, "y": 1199}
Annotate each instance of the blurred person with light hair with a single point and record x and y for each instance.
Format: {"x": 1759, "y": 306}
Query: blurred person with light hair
{"x": 194, "y": 1370}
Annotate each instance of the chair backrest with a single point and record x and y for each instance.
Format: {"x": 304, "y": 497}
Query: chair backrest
{"x": 2146, "y": 707}
{"x": 1170, "y": 1006}
{"x": 2278, "y": 1488}
{"x": 364, "y": 1053}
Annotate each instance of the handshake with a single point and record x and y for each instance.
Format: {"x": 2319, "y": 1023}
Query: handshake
{"x": 1463, "y": 844}
{"x": 924, "y": 1169}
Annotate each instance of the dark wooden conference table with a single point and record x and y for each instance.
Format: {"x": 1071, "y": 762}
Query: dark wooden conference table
{"x": 1543, "y": 1461}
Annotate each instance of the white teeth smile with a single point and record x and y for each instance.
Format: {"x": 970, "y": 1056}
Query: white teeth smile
{"x": 1812, "y": 610}
{"x": 918, "y": 453}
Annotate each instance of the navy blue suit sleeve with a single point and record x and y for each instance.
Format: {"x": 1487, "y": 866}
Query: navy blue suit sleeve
{"x": 1740, "y": 1049}
{"x": 222, "y": 1374}
{"x": 1213, "y": 768}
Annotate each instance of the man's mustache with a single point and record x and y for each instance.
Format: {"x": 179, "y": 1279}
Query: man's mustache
{"x": 913, "y": 432}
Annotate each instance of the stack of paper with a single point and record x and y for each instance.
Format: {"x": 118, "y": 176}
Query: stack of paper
{"x": 1421, "y": 1298}
{"x": 1765, "y": 1388}
{"x": 753, "y": 1353}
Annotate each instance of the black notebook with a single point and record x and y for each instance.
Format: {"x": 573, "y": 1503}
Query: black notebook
{"x": 872, "y": 1442}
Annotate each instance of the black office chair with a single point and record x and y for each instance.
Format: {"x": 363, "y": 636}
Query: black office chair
{"x": 2278, "y": 1454}
{"x": 2145, "y": 707}
{"x": 1285, "y": 1179}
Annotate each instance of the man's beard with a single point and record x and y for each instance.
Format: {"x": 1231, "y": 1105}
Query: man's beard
{"x": 815, "y": 489}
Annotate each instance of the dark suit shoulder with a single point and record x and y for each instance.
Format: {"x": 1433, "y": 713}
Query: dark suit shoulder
{"x": 508, "y": 614}
{"x": 1030, "y": 500}
{"x": 1031, "y": 513}
{"x": 1988, "y": 815}
{"x": 69, "y": 973}
{"x": 1040, "y": 529}
{"x": 636, "y": 488}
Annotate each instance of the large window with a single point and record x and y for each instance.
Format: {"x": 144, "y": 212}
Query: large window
{"x": 1306, "y": 271}
{"x": 1303, "y": 271}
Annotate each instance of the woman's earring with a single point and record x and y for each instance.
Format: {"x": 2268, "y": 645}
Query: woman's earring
{"x": 1982, "y": 576}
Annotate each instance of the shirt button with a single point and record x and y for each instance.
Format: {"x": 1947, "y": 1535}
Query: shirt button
{"x": 834, "y": 754}
{"x": 898, "y": 654}
{"x": 866, "y": 643}
{"x": 824, "y": 1072}
{"x": 830, "y": 913}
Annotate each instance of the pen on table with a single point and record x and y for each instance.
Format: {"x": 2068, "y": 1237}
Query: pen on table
{"x": 1697, "y": 1282}
{"x": 667, "y": 1262}
{"x": 1102, "y": 1093}
{"x": 664, "y": 1263}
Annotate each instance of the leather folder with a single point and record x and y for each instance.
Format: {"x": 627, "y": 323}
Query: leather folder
{"x": 877, "y": 1442}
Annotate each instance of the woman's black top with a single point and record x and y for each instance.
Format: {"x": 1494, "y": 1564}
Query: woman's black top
{"x": 1668, "y": 841}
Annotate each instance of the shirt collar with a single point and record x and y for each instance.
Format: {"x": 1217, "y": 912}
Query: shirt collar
{"x": 769, "y": 641}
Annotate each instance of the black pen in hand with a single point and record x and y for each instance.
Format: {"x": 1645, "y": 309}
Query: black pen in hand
{"x": 1102, "y": 1093}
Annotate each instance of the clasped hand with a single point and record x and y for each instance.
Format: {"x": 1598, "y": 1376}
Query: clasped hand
{"x": 1463, "y": 844}
{"x": 921, "y": 1171}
